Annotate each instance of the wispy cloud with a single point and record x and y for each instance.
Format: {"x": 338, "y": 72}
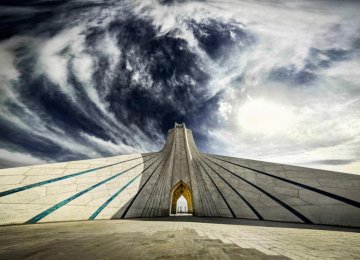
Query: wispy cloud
{"x": 258, "y": 80}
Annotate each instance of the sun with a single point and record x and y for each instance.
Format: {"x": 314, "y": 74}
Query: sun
{"x": 262, "y": 117}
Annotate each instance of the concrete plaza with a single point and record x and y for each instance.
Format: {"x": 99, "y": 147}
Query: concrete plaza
{"x": 178, "y": 238}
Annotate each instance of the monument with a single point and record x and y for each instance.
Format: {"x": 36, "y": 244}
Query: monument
{"x": 150, "y": 184}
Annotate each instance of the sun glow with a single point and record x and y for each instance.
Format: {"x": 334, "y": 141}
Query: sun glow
{"x": 259, "y": 116}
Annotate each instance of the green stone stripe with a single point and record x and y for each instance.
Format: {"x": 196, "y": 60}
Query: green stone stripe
{"x": 94, "y": 215}
{"x": 37, "y": 184}
{"x": 97, "y": 212}
{"x": 139, "y": 191}
{"x": 66, "y": 201}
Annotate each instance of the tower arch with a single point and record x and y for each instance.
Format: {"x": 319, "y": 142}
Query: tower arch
{"x": 181, "y": 188}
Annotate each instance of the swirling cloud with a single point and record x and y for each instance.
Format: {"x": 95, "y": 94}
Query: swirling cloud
{"x": 258, "y": 80}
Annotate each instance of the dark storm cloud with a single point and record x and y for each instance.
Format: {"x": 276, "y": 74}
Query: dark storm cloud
{"x": 157, "y": 79}
{"x": 17, "y": 17}
{"x": 178, "y": 82}
{"x": 13, "y": 138}
{"x": 317, "y": 60}
{"x": 333, "y": 162}
{"x": 293, "y": 76}
{"x": 84, "y": 79}
{"x": 219, "y": 38}
{"x": 43, "y": 17}
{"x": 172, "y": 2}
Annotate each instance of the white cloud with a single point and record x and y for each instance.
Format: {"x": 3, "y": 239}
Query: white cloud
{"x": 224, "y": 109}
{"x": 110, "y": 146}
{"x": 14, "y": 158}
{"x": 83, "y": 67}
{"x": 53, "y": 58}
{"x": 7, "y": 67}
{"x": 284, "y": 122}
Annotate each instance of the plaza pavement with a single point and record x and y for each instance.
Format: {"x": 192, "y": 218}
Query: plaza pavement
{"x": 178, "y": 238}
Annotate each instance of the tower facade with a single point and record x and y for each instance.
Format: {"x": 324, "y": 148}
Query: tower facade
{"x": 150, "y": 184}
{"x": 174, "y": 176}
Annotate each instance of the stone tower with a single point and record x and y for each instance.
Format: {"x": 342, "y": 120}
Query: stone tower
{"x": 149, "y": 185}
{"x": 174, "y": 177}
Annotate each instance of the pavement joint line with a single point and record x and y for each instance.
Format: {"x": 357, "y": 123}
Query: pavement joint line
{"x": 262, "y": 249}
{"x": 294, "y": 243}
{"x": 240, "y": 243}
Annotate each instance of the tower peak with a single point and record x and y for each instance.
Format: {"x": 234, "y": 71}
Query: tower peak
{"x": 181, "y": 125}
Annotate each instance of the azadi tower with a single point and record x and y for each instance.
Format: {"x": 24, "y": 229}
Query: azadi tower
{"x": 149, "y": 185}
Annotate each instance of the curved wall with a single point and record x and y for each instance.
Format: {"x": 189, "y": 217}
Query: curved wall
{"x": 71, "y": 190}
{"x": 140, "y": 185}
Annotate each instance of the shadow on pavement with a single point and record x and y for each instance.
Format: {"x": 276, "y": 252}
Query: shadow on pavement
{"x": 247, "y": 222}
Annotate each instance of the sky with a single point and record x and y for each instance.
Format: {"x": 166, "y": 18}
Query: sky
{"x": 268, "y": 80}
{"x": 181, "y": 204}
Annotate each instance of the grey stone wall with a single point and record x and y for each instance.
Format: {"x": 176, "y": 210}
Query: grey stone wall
{"x": 140, "y": 185}
{"x": 26, "y": 192}
{"x": 289, "y": 193}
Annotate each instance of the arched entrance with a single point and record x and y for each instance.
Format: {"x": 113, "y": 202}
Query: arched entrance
{"x": 181, "y": 205}
{"x": 181, "y": 189}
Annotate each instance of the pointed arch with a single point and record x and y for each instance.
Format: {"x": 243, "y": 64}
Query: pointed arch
{"x": 181, "y": 188}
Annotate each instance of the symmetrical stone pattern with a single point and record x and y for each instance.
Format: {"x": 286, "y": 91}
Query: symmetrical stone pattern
{"x": 141, "y": 185}
{"x": 21, "y": 206}
{"x": 316, "y": 207}
{"x": 279, "y": 200}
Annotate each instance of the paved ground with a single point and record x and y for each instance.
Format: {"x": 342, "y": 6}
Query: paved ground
{"x": 177, "y": 238}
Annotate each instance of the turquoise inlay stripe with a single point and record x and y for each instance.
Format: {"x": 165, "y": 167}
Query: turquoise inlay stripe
{"x": 64, "y": 202}
{"x": 139, "y": 191}
{"x": 37, "y": 184}
{"x": 94, "y": 215}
